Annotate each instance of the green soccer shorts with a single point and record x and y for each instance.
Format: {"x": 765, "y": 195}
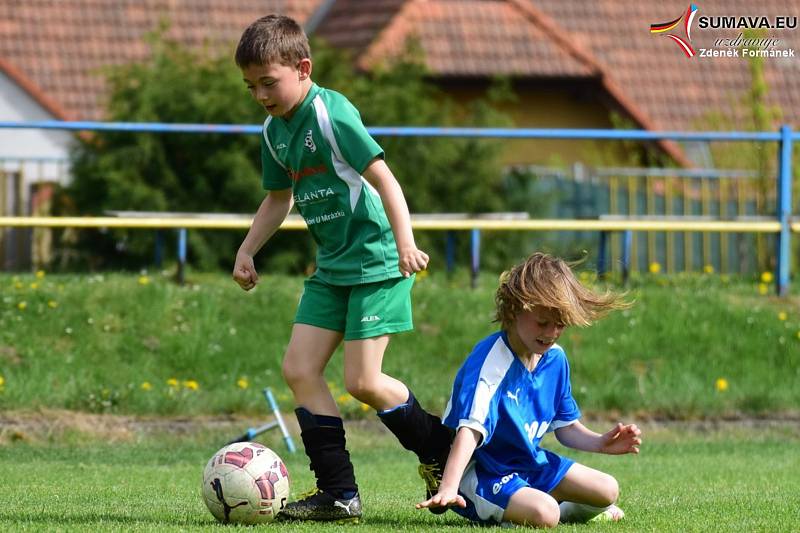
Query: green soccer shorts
{"x": 358, "y": 311}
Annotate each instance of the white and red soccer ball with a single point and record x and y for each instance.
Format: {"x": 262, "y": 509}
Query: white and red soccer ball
{"x": 245, "y": 483}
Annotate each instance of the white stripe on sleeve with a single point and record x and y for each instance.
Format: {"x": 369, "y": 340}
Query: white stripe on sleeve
{"x": 355, "y": 182}
{"x": 493, "y": 370}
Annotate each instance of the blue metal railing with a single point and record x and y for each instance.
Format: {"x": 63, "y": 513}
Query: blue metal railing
{"x": 508, "y": 133}
{"x": 784, "y": 138}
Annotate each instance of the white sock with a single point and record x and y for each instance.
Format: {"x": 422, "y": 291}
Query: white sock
{"x": 572, "y": 512}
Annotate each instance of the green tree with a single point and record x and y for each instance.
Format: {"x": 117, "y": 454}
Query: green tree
{"x": 221, "y": 172}
{"x": 168, "y": 171}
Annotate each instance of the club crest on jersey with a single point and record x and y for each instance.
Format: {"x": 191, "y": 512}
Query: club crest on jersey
{"x": 309, "y": 142}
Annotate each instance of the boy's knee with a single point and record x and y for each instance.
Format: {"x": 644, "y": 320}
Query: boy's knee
{"x": 546, "y": 513}
{"x": 361, "y": 389}
{"x": 609, "y": 491}
{"x": 296, "y": 373}
{"x": 541, "y": 511}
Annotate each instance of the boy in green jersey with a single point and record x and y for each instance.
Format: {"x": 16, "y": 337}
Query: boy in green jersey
{"x": 317, "y": 155}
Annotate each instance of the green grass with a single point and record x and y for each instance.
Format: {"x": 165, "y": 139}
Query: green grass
{"x": 110, "y": 343}
{"x": 687, "y": 478}
{"x": 88, "y": 344}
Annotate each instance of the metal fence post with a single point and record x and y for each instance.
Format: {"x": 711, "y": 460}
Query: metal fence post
{"x": 158, "y": 254}
{"x": 475, "y": 248}
{"x": 181, "y": 274}
{"x": 784, "y": 250}
{"x": 450, "y": 251}
{"x": 601, "y": 255}
{"x": 627, "y": 245}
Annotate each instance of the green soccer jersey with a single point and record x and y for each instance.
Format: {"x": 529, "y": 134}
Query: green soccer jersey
{"x": 320, "y": 152}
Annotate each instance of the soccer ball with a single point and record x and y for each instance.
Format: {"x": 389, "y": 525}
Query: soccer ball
{"x": 245, "y": 483}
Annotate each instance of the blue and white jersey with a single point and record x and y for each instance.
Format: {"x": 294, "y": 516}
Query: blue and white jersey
{"x": 510, "y": 406}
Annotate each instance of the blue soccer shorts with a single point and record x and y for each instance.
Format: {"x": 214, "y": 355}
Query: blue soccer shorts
{"x": 487, "y": 494}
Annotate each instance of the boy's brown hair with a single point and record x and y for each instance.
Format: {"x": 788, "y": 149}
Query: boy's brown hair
{"x": 271, "y": 39}
{"x": 546, "y": 281}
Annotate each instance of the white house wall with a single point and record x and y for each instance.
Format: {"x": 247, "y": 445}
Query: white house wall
{"x": 40, "y": 154}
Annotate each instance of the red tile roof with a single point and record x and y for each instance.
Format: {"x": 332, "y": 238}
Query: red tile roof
{"x": 647, "y": 74}
{"x": 61, "y": 46}
{"x": 676, "y": 92}
{"x": 458, "y": 37}
{"x": 476, "y": 38}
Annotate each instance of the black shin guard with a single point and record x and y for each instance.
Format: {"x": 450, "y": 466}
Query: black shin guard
{"x": 417, "y": 430}
{"x": 324, "y": 441}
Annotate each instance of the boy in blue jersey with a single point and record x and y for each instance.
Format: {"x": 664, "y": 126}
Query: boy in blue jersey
{"x": 317, "y": 156}
{"x": 513, "y": 388}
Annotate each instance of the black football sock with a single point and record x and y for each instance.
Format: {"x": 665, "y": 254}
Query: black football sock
{"x": 324, "y": 441}
{"x": 417, "y": 430}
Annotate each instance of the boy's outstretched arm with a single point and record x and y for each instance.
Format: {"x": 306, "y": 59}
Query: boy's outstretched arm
{"x": 463, "y": 445}
{"x": 271, "y": 213}
{"x": 379, "y": 176}
{"x": 621, "y": 439}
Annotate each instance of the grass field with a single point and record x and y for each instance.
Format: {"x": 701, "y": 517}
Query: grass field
{"x": 115, "y": 389}
{"x": 689, "y": 477}
{"x": 691, "y": 347}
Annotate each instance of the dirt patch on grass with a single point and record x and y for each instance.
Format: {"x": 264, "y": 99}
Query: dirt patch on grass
{"x": 49, "y": 425}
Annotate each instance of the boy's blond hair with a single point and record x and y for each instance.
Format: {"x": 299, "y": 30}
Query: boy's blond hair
{"x": 272, "y": 39}
{"x": 545, "y": 281}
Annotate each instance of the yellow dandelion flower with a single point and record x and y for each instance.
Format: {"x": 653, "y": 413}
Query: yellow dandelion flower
{"x": 242, "y": 383}
{"x": 763, "y": 289}
{"x": 655, "y": 267}
{"x": 721, "y": 385}
{"x": 144, "y": 280}
{"x": 22, "y": 305}
{"x": 422, "y": 275}
{"x": 146, "y": 386}
{"x": 2, "y": 381}
{"x": 782, "y": 316}
{"x": 724, "y": 278}
{"x": 17, "y": 284}
{"x": 52, "y": 304}
{"x": 344, "y": 398}
{"x": 34, "y": 285}
{"x": 172, "y": 382}
{"x": 766, "y": 277}
{"x": 39, "y": 274}
{"x": 708, "y": 269}
{"x": 191, "y": 384}
{"x": 365, "y": 407}
{"x": 798, "y": 334}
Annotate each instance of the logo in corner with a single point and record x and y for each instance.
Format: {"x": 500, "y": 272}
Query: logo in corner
{"x": 687, "y": 19}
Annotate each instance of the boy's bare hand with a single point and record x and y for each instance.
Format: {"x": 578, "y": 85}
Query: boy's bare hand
{"x": 412, "y": 260}
{"x": 443, "y": 498}
{"x": 244, "y": 271}
{"x": 622, "y": 439}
